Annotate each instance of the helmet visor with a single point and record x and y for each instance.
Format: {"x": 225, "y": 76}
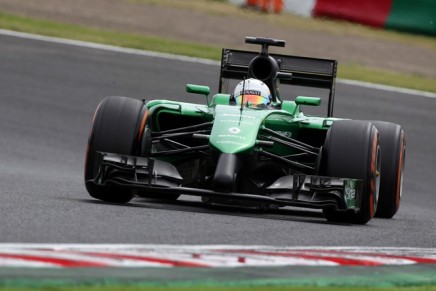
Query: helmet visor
{"x": 252, "y": 99}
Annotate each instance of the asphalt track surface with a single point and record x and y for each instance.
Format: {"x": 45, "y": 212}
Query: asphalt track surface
{"x": 48, "y": 93}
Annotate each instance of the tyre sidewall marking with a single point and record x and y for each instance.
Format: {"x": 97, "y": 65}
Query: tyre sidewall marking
{"x": 373, "y": 175}
{"x": 143, "y": 123}
{"x": 400, "y": 170}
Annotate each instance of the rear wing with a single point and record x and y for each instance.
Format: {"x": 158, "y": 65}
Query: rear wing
{"x": 309, "y": 72}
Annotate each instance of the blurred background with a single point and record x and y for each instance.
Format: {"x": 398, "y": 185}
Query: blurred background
{"x": 383, "y": 41}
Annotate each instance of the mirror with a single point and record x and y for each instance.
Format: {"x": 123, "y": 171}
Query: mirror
{"x": 198, "y": 89}
{"x": 311, "y": 101}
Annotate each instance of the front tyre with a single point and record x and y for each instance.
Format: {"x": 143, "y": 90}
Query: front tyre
{"x": 352, "y": 150}
{"x": 393, "y": 151}
{"x": 116, "y": 128}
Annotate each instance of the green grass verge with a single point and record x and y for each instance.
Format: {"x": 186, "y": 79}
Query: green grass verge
{"x": 356, "y": 72}
{"x": 205, "y": 288}
{"x": 64, "y": 30}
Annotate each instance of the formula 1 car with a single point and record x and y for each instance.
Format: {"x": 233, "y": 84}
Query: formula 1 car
{"x": 230, "y": 152}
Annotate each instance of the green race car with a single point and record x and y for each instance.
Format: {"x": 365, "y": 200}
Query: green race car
{"x": 248, "y": 147}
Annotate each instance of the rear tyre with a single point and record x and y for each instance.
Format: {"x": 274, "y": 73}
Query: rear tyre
{"x": 393, "y": 151}
{"x": 116, "y": 128}
{"x": 352, "y": 151}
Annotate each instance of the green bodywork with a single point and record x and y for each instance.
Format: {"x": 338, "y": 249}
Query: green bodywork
{"x": 244, "y": 155}
{"x": 236, "y": 128}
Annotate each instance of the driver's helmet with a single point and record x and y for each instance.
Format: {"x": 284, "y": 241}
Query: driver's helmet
{"x": 254, "y": 91}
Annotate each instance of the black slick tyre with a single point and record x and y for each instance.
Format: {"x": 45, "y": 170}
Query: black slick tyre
{"x": 116, "y": 128}
{"x": 393, "y": 152}
{"x": 352, "y": 150}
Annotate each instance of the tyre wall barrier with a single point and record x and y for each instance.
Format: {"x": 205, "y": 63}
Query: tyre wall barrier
{"x": 415, "y": 16}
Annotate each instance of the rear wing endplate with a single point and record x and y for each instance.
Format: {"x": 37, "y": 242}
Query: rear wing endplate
{"x": 309, "y": 72}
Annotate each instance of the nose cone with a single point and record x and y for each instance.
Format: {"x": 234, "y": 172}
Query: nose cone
{"x": 225, "y": 172}
{"x": 235, "y": 130}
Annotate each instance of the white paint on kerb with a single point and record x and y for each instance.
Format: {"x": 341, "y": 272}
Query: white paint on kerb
{"x": 145, "y": 255}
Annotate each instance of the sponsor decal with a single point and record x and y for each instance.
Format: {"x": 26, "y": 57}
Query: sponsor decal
{"x": 250, "y": 92}
{"x": 230, "y": 142}
{"x": 232, "y": 136}
{"x": 95, "y": 255}
{"x": 236, "y": 121}
{"x": 350, "y": 194}
{"x": 238, "y": 116}
{"x": 234, "y": 130}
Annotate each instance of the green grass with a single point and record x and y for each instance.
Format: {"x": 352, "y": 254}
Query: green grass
{"x": 199, "y": 288}
{"x": 64, "y": 30}
{"x": 152, "y": 43}
{"x": 356, "y": 72}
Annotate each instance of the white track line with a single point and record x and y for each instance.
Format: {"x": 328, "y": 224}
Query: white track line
{"x": 117, "y": 49}
{"x": 387, "y": 88}
{"x": 106, "y": 47}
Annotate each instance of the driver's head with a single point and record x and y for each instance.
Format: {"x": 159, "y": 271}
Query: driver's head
{"x": 255, "y": 92}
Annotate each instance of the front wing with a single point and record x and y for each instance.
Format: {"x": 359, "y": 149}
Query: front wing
{"x": 148, "y": 175}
